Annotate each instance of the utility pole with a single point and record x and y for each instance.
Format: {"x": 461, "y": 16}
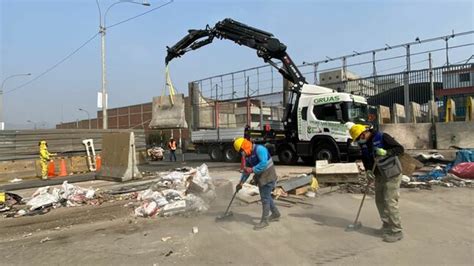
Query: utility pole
{"x": 102, "y": 31}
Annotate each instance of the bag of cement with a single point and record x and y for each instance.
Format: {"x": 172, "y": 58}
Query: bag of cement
{"x": 195, "y": 203}
{"x": 174, "y": 176}
{"x": 172, "y": 195}
{"x": 168, "y": 112}
{"x": 44, "y": 196}
{"x": 147, "y": 209}
{"x": 151, "y": 195}
{"x": 174, "y": 208}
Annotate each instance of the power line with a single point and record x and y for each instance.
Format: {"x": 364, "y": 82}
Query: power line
{"x": 55, "y": 65}
{"x": 141, "y": 14}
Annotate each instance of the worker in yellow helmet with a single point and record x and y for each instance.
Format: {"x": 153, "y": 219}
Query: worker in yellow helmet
{"x": 375, "y": 144}
{"x": 45, "y": 157}
{"x": 258, "y": 161}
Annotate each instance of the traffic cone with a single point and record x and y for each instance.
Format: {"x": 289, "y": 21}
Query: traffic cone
{"x": 51, "y": 169}
{"x": 98, "y": 163}
{"x": 62, "y": 168}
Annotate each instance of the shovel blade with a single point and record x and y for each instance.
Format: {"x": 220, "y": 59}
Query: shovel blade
{"x": 224, "y": 216}
{"x": 354, "y": 227}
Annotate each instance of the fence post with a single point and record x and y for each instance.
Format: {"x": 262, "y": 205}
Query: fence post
{"x": 406, "y": 87}
{"x": 432, "y": 96}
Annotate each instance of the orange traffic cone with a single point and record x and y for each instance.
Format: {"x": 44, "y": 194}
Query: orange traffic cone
{"x": 98, "y": 163}
{"x": 51, "y": 169}
{"x": 62, "y": 168}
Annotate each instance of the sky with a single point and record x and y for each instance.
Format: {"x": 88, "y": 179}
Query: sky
{"x": 36, "y": 34}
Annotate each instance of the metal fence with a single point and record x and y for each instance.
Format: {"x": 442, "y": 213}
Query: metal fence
{"x": 245, "y": 93}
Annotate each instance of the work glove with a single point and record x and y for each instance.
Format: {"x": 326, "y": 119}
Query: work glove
{"x": 248, "y": 170}
{"x": 238, "y": 187}
{"x": 381, "y": 152}
{"x": 370, "y": 175}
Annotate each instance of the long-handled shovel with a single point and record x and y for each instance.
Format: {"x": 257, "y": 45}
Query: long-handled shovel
{"x": 227, "y": 213}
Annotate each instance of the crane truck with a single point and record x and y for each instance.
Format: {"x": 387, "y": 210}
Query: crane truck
{"x": 314, "y": 117}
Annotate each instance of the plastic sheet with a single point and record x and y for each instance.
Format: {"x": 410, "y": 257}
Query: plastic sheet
{"x": 463, "y": 170}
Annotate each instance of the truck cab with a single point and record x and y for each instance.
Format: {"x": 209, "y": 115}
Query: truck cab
{"x": 321, "y": 117}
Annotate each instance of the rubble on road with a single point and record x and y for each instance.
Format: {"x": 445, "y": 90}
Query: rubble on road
{"x": 187, "y": 190}
{"x": 426, "y": 171}
{"x": 46, "y": 198}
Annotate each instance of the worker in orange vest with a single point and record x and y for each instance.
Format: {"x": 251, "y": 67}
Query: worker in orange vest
{"x": 172, "y": 147}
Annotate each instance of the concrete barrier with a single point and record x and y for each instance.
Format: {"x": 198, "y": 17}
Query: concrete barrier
{"x": 119, "y": 160}
{"x": 168, "y": 112}
{"x": 398, "y": 113}
{"x": 411, "y": 136}
{"x": 383, "y": 113}
{"x": 454, "y": 134}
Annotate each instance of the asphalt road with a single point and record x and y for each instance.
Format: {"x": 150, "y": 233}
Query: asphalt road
{"x": 437, "y": 225}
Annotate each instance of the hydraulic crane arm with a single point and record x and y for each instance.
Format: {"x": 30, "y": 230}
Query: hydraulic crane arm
{"x": 267, "y": 46}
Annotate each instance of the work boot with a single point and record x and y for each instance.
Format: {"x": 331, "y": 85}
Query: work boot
{"x": 385, "y": 229}
{"x": 275, "y": 217}
{"x": 263, "y": 223}
{"x": 393, "y": 237}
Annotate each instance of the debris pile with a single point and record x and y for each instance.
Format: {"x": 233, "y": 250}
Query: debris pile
{"x": 46, "y": 198}
{"x": 438, "y": 171}
{"x": 182, "y": 191}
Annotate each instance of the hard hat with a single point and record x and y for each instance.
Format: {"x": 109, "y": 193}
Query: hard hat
{"x": 356, "y": 130}
{"x": 238, "y": 143}
{"x": 43, "y": 142}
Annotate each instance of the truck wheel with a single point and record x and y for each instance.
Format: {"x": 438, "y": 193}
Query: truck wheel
{"x": 326, "y": 151}
{"x": 287, "y": 155}
{"x": 215, "y": 153}
{"x": 230, "y": 155}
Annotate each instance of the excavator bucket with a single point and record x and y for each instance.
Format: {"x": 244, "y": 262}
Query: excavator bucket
{"x": 168, "y": 112}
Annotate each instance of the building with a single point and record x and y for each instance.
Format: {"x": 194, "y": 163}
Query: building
{"x": 350, "y": 82}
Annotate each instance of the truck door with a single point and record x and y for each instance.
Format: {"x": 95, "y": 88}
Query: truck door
{"x": 303, "y": 123}
{"x": 326, "y": 119}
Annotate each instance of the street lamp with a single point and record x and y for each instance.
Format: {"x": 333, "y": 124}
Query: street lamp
{"x": 2, "y": 123}
{"x": 102, "y": 30}
{"x": 34, "y": 123}
{"x": 88, "y": 116}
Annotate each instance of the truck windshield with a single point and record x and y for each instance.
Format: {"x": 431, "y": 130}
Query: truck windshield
{"x": 355, "y": 112}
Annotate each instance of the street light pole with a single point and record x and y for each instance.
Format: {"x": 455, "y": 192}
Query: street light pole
{"x": 2, "y": 123}
{"x": 34, "y": 123}
{"x": 102, "y": 31}
{"x": 88, "y": 116}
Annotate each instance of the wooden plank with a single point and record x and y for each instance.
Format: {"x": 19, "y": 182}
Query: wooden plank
{"x": 299, "y": 191}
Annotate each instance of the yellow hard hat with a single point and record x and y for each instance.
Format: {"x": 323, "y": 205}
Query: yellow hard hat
{"x": 238, "y": 143}
{"x": 356, "y": 130}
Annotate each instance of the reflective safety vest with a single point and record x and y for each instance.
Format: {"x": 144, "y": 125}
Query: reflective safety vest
{"x": 172, "y": 145}
{"x": 377, "y": 142}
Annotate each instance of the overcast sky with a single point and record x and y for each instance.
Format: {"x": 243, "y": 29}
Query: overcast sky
{"x": 36, "y": 34}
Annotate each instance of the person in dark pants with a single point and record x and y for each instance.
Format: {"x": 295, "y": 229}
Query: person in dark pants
{"x": 172, "y": 147}
{"x": 259, "y": 162}
{"x": 376, "y": 144}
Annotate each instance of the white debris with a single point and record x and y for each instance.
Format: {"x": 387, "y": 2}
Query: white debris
{"x": 405, "y": 179}
{"x": 73, "y": 195}
{"x": 195, "y": 230}
{"x": 147, "y": 209}
{"x": 178, "y": 192}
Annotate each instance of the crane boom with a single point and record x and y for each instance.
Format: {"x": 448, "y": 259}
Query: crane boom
{"x": 268, "y": 47}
